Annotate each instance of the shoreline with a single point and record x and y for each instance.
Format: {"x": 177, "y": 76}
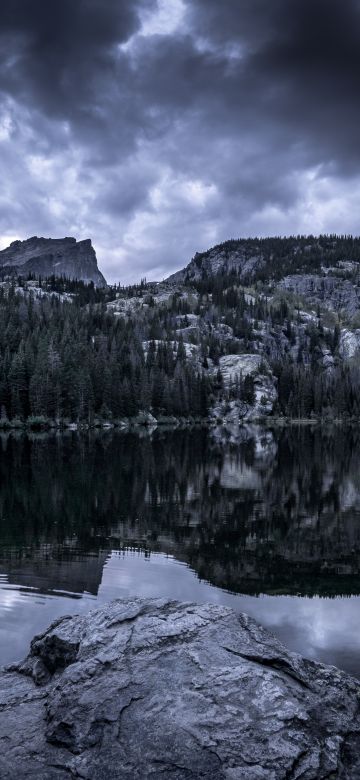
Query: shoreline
{"x": 145, "y": 421}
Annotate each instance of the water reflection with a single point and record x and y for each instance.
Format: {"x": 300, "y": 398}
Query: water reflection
{"x": 175, "y": 514}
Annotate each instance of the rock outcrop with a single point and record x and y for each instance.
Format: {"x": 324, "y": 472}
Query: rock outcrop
{"x": 47, "y": 256}
{"x": 232, "y": 414}
{"x": 222, "y": 259}
{"x": 237, "y": 366}
{"x": 349, "y": 345}
{"x": 338, "y": 295}
{"x": 154, "y": 688}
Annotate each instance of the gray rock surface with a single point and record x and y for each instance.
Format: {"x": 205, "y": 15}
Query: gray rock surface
{"x": 232, "y": 366}
{"x": 349, "y": 343}
{"x": 47, "y": 256}
{"x": 233, "y": 413}
{"x": 336, "y": 294}
{"x": 158, "y": 689}
{"x": 218, "y": 259}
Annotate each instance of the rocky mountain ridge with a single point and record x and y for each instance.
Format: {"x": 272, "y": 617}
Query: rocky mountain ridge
{"x": 285, "y": 306}
{"x": 294, "y": 301}
{"x": 273, "y": 258}
{"x": 52, "y": 256}
{"x": 324, "y": 271}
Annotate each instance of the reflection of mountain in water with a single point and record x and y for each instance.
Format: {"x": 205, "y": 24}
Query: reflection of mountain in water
{"x": 53, "y": 568}
{"x": 278, "y": 513}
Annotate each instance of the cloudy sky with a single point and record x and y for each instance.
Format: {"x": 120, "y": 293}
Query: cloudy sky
{"x": 161, "y": 127}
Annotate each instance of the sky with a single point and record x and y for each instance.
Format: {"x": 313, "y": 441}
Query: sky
{"x": 159, "y": 128}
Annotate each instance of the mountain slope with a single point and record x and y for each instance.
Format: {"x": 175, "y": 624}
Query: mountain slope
{"x": 324, "y": 270}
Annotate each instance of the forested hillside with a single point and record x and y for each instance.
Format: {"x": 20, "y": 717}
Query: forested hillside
{"x": 72, "y": 360}
{"x": 271, "y": 259}
{"x": 239, "y": 338}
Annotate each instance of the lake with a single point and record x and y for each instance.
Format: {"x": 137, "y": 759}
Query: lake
{"x": 269, "y": 526}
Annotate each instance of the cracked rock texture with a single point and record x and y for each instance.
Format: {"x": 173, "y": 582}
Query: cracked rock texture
{"x": 160, "y": 689}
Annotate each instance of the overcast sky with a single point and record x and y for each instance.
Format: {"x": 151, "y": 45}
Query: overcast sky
{"x": 161, "y": 127}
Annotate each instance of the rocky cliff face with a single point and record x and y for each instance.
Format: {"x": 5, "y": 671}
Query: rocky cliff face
{"x": 336, "y": 294}
{"x": 47, "y": 256}
{"x": 221, "y": 259}
{"x": 150, "y": 688}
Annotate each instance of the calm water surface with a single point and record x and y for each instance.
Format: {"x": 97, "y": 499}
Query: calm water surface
{"x": 269, "y": 526}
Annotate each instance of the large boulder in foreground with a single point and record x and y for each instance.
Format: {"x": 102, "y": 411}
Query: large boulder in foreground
{"x": 159, "y": 689}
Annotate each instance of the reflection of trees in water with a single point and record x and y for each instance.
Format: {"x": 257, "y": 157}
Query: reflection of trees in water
{"x": 257, "y": 517}
{"x": 54, "y": 487}
{"x": 303, "y": 535}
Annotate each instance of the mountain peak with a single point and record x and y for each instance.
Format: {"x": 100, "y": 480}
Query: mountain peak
{"x": 47, "y": 256}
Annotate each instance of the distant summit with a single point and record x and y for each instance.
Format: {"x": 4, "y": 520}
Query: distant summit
{"x": 47, "y": 256}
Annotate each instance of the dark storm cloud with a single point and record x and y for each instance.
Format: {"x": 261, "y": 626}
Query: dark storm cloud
{"x": 159, "y": 138}
{"x": 63, "y": 59}
{"x": 50, "y": 48}
{"x": 300, "y": 63}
